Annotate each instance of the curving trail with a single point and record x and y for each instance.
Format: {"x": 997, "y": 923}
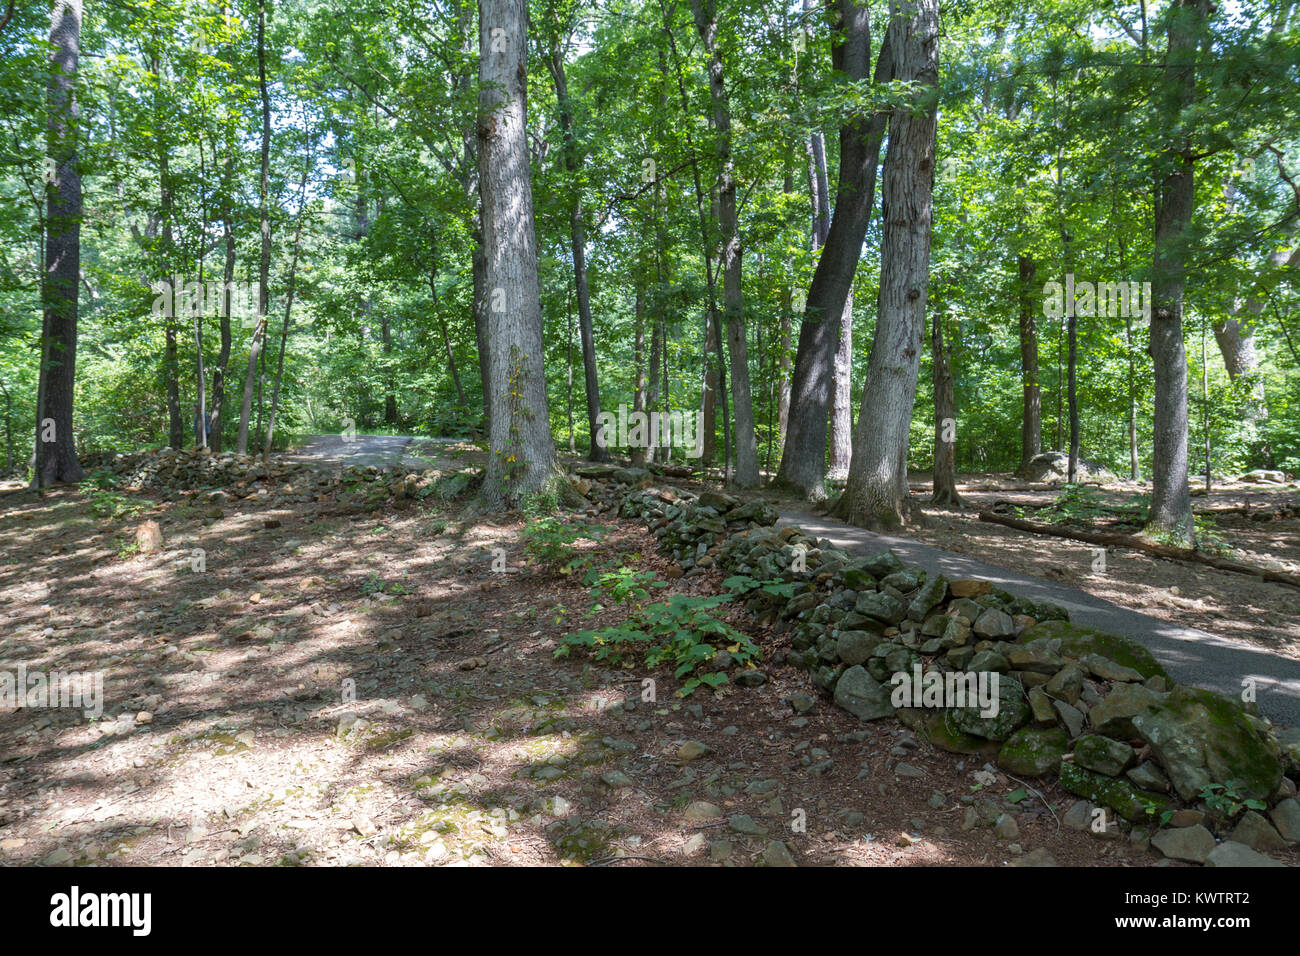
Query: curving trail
{"x": 1191, "y": 656}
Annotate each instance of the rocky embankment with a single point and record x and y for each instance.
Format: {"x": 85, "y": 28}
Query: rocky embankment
{"x": 1201, "y": 777}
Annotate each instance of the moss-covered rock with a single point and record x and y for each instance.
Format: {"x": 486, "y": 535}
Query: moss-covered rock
{"x": 1034, "y": 751}
{"x": 1011, "y": 712}
{"x": 1121, "y": 796}
{"x": 941, "y": 732}
{"x": 1202, "y": 738}
{"x": 1077, "y": 641}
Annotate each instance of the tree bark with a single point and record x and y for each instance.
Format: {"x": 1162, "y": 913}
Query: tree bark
{"x": 55, "y": 447}
{"x": 803, "y": 460}
{"x": 1171, "y": 507}
{"x": 877, "y": 492}
{"x": 746, "y": 445}
{"x": 521, "y": 459}
{"x": 1031, "y": 423}
{"x": 264, "y": 267}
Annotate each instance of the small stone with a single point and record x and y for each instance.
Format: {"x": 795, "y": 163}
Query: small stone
{"x": 616, "y": 779}
{"x": 702, "y": 810}
{"x": 1039, "y": 857}
{"x": 1257, "y": 833}
{"x": 1286, "y": 817}
{"x": 777, "y": 853}
{"x": 1230, "y": 853}
{"x": 693, "y": 750}
{"x": 1192, "y": 844}
{"x": 743, "y": 823}
{"x": 1006, "y": 828}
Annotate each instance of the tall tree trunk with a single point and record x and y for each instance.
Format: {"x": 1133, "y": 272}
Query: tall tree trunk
{"x": 746, "y": 445}
{"x": 577, "y": 233}
{"x": 638, "y": 450}
{"x": 945, "y": 417}
{"x": 55, "y": 448}
{"x": 521, "y": 457}
{"x": 1171, "y": 506}
{"x": 264, "y": 267}
{"x": 1031, "y": 422}
{"x": 227, "y": 290}
{"x": 841, "y": 412}
{"x": 288, "y": 311}
{"x": 803, "y": 460}
{"x": 877, "y": 492}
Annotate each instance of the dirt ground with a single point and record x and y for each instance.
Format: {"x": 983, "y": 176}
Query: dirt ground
{"x": 334, "y": 689}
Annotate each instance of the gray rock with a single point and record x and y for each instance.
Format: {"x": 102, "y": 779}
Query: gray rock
{"x": 1103, "y": 755}
{"x": 1231, "y": 853}
{"x": 1286, "y": 817}
{"x": 855, "y": 647}
{"x": 1012, "y": 713}
{"x": 1114, "y": 715}
{"x": 1006, "y": 828}
{"x": 1147, "y": 775}
{"x": 928, "y": 598}
{"x": 1192, "y": 844}
{"x": 1065, "y": 684}
{"x": 1070, "y": 716}
{"x": 862, "y": 695}
{"x": 1257, "y": 833}
{"x": 1201, "y": 738}
{"x": 777, "y": 853}
{"x": 993, "y": 624}
{"x": 881, "y": 607}
{"x": 743, "y": 823}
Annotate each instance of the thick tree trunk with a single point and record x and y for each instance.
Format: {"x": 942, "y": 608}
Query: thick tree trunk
{"x": 1171, "y": 507}
{"x": 945, "y": 417}
{"x": 55, "y": 448}
{"x": 841, "y": 413}
{"x": 1031, "y": 423}
{"x": 803, "y": 460}
{"x": 877, "y": 492}
{"x": 746, "y": 445}
{"x": 521, "y": 456}
{"x": 264, "y": 266}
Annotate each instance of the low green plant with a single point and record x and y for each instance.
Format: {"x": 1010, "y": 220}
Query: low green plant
{"x": 682, "y": 631}
{"x": 741, "y": 585}
{"x": 549, "y": 543}
{"x": 112, "y": 505}
{"x": 1227, "y": 800}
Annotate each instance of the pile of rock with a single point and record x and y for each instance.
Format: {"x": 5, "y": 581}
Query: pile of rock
{"x": 1093, "y": 708}
{"x": 195, "y": 468}
{"x": 229, "y": 476}
{"x": 693, "y": 529}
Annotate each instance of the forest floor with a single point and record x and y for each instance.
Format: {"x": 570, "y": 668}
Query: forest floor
{"x": 364, "y": 689}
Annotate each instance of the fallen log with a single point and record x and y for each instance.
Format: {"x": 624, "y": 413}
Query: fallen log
{"x": 1147, "y": 547}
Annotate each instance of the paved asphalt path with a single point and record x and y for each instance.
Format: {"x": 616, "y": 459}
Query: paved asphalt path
{"x": 379, "y": 450}
{"x": 1191, "y": 656}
